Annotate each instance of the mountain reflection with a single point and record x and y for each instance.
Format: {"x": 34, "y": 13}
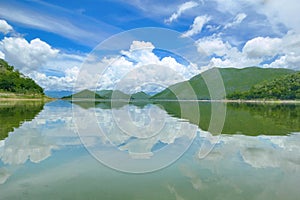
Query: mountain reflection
{"x": 13, "y": 114}
{"x": 245, "y": 118}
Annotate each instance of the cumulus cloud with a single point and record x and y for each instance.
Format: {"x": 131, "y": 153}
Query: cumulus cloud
{"x": 262, "y": 46}
{"x": 5, "y": 27}
{"x": 137, "y": 68}
{"x": 213, "y": 45}
{"x": 56, "y": 83}
{"x": 136, "y": 45}
{"x": 197, "y": 26}
{"x": 140, "y": 65}
{"x": 237, "y": 20}
{"x": 256, "y": 51}
{"x": 181, "y": 9}
{"x": 224, "y": 54}
{"x": 50, "y": 68}
{"x": 25, "y": 55}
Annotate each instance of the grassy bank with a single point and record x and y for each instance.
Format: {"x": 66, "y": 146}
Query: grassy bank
{"x": 9, "y": 96}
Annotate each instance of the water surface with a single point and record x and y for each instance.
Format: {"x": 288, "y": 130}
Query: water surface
{"x": 46, "y": 153}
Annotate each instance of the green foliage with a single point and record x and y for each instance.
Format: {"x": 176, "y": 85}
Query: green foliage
{"x": 284, "y": 88}
{"x": 115, "y": 94}
{"x": 139, "y": 96}
{"x": 235, "y": 80}
{"x": 13, "y": 81}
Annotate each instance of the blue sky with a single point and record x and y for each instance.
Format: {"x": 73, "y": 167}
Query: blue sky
{"x": 49, "y": 40}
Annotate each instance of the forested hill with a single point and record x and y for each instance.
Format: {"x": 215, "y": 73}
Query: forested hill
{"x": 13, "y": 81}
{"x": 285, "y": 88}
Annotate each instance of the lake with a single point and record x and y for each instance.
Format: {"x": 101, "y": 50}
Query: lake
{"x": 167, "y": 150}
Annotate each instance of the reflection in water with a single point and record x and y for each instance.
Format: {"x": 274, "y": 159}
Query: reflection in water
{"x": 246, "y": 119}
{"x": 145, "y": 138}
{"x": 13, "y": 114}
{"x": 45, "y": 157}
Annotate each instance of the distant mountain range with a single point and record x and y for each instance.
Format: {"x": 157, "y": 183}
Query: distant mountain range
{"x": 236, "y": 81}
{"x": 107, "y": 94}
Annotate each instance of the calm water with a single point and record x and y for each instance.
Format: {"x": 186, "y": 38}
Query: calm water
{"x": 85, "y": 151}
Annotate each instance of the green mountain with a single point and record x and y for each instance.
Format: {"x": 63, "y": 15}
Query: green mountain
{"x": 285, "y": 87}
{"x": 12, "y": 81}
{"x": 235, "y": 80}
{"x": 102, "y": 94}
{"x": 84, "y": 94}
{"x": 140, "y": 96}
{"x": 116, "y": 94}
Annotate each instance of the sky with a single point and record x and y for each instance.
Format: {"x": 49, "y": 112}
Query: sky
{"x": 54, "y": 42}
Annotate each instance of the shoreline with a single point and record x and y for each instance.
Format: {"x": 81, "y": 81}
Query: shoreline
{"x": 187, "y": 100}
{"x": 26, "y": 99}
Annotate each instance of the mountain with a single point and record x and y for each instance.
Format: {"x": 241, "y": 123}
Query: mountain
{"x": 12, "y": 81}
{"x": 235, "y": 80}
{"x": 285, "y": 88}
{"x": 84, "y": 94}
{"x": 116, "y": 94}
{"x": 140, "y": 96}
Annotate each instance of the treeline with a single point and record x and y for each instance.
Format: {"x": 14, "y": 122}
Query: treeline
{"x": 286, "y": 88}
{"x": 12, "y": 80}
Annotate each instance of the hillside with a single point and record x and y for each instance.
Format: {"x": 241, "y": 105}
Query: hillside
{"x": 285, "y": 88}
{"x": 117, "y": 94}
{"x": 12, "y": 81}
{"x": 235, "y": 80}
{"x": 140, "y": 96}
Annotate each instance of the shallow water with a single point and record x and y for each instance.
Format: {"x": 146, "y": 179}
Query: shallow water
{"x": 124, "y": 151}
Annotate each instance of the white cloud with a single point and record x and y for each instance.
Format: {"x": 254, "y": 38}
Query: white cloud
{"x": 279, "y": 11}
{"x": 262, "y": 46}
{"x": 2, "y": 56}
{"x": 5, "y": 27}
{"x": 213, "y": 45}
{"x": 142, "y": 66}
{"x": 49, "y": 67}
{"x": 276, "y": 11}
{"x": 237, "y": 20}
{"x": 55, "y": 83}
{"x": 136, "y": 45}
{"x": 197, "y": 26}
{"x": 224, "y": 54}
{"x": 181, "y": 9}
{"x": 255, "y": 51}
{"x": 27, "y": 56}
